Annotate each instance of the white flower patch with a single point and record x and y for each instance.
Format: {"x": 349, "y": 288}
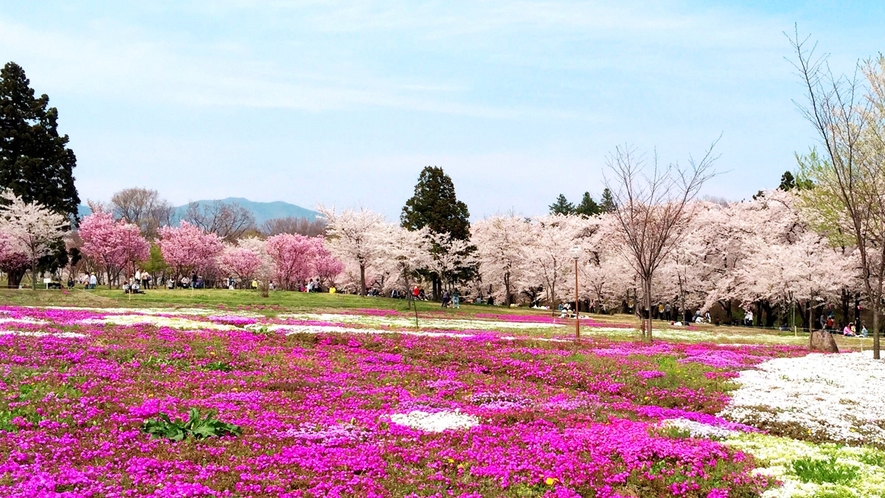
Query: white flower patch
{"x": 324, "y": 329}
{"x": 698, "y": 429}
{"x": 838, "y": 396}
{"x": 154, "y": 311}
{"x": 699, "y": 335}
{"x": 430, "y": 323}
{"x": 332, "y": 435}
{"x": 60, "y": 335}
{"x": 775, "y": 457}
{"x": 435, "y": 422}
{"x": 159, "y": 321}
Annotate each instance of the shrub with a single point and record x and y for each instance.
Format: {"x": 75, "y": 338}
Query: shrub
{"x": 194, "y": 426}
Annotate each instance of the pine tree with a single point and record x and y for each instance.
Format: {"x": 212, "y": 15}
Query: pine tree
{"x": 588, "y": 206}
{"x": 34, "y": 162}
{"x": 435, "y": 206}
{"x": 607, "y": 203}
{"x": 787, "y": 181}
{"x": 562, "y": 206}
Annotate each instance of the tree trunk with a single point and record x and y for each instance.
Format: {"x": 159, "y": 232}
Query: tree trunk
{"x": 810, "y": 324}
{"x": 508, "y": 298}
{"x": 14, "y": 279}
{"x": 875, "y": 331}
{"x": 363, "y": 280}
{"x": 647, "y": 333}
{"x": 33, "y": 274}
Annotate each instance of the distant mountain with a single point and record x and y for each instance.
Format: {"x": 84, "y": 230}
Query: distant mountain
{"x": 262, "y": 211}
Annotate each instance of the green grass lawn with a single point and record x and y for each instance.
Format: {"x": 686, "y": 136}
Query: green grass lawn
{"x": 283, "y": 301}
{"x": 279, "y": 300}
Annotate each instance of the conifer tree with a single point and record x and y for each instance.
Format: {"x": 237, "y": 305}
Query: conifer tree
{"x": 435, "y": 206}
{"x": 607, "y": 202}
{"x": 562, "y": 206}
{"x": 34, "y": 160}
{"x": 588, "y": 206}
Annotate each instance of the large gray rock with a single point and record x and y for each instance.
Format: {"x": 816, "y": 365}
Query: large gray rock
{"x": 821, "y": 340}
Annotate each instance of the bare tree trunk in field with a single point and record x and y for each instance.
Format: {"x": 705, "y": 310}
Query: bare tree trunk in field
{"x": 849, "y": 180}
{"x": 646, "y": 332}
{"x": 653, "y": 209}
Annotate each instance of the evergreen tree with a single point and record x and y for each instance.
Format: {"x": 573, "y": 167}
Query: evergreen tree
{"x": 787, "y": 181}
{"x": 562, "y": 206}
{"x": 607, "y": 203}
{"x": 588, "y": 206}
{"x": 34, "y": 162}
{"x": 434, "y": 205}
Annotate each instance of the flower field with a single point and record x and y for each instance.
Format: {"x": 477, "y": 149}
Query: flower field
{"x": 210, "y": 402}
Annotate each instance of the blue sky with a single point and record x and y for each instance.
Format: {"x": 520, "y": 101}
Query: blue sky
{"x": 343, "y": 103}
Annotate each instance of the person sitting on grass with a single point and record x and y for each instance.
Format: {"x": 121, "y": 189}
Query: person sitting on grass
{"x": 847, "y": 330}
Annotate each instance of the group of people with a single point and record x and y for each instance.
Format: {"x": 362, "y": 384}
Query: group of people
{"x": 88, "y": 280}
{"x": 193, "y": 282}
{"x": 828, "y": 323}
{"x": 453, "y": 299}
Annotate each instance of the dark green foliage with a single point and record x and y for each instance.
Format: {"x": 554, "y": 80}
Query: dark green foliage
{"x": 434, "y": 205}
{"x": 562, "y": 206}
{"x": 787, "y": 181}
{"x": 219, "y": 366}
{"x": 57, "y": 258}
{"x": 607, "y": 202}
{"x": 34, "y": 161}
{"x": 588, "y": 206}
{"x": 155, "y": 262}
{"x": 177, "y": 430}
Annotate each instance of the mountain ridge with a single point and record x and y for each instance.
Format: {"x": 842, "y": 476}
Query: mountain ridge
{"x": 262, "y": 211}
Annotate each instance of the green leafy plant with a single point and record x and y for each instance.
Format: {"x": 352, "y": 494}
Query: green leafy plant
{"x": 220, "y": 366}
{"x": 194, "y": 426}
{"x": 823, "y": 471}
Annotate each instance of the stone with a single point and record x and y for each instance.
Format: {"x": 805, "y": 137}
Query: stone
{"x": 823, "y": 341}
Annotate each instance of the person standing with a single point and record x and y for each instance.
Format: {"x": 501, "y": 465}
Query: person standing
{"x": 456, "y": 299}
{"x": 93, "y": 281}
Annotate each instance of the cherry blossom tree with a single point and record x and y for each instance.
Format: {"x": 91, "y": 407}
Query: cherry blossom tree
{"x": 14, "y": 259}
{"x": 402, "y": 253}
{"x": 240, "y": 261}
{"x": 605, "y": 275}
{"x": 33, "y": 227}
{"x": 293, "y": 257}
{"x": 354, "y": 236}
{"x": 449, "y": 256}
{"x": 326, "y": 266}
{"x": 548, "y": 255}
{"x": 653, "y": 210}
{"x": 501, "y": 243}
{"x": 115, "y": 244}
{"x": 187, "y": 248}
